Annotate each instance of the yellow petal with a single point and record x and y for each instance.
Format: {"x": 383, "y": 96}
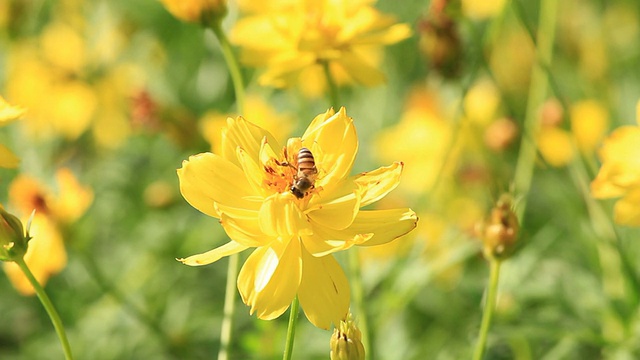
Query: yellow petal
{"x": 627, "y": 209}
{"x": 7, "y": 159}
{"x": 378, "y": 183}
{"x": 45, "y": 256}
{"x": 335, "y": 213}
{"x": 244, "y": 230}
{"x": 603, "y": 186}
{"x": 325, "y": 241}
{"x": 208, "y": 178}
{"x": 334, "y": 143}
{"x": 279, "y": 216}
{"x": 386, "y": 225}
{"x": 214, "y": 255}
{"x": 253, "y": 172}
{"x": 9, "y": 113}
{"x": 324, "y": 290}
{"x": 269, "y": 279}
{"x": 74, "y": 198}
{"x": 244, "y": 134}
{"x": 361, "y": 70}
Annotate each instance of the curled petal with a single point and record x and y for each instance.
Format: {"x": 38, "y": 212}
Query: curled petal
{"x": 279, "y": 215}
{"x": 386, "y": 225}
{"x": 244, "y": 230}
{"x": 214, "y": 255}
{"x": 337, "y": 213}
{"x": 208, "y": 178}
{"x": 324, "y": 290}
{"x": 334, "y": 143}
{"x": 246, "y": 135}
{"x": 252, "y": 170}
{"x": 270, "y": 277}
{"x": 378, "y": 183}
{"x": 325, "y": 241}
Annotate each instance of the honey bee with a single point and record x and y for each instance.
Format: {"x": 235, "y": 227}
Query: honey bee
{"x": 306, "y": 173}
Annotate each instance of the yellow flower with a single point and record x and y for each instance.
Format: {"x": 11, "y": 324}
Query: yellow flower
{"x": 45, "y": 255}
{"x": 481, "y": 10}
{"x": 293, "y": 39}
{"x": 196, "y": 10}
{"x": 9, "y": 113}
{"x": 619, "y": 175}
{"x": 248, "y": 187}
{"x": 589, "y": 121}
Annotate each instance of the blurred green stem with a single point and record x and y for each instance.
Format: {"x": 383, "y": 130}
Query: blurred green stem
{"x": 232, "y": 271}
{"x": 489, "y": 306}
{"x": 291, "y": 330}
{"x": 48, "y": 306}
{"x": 232, "y": 64}
{"x": 334, "y": 98}
{"x": 358, "y": 299}
{"x": 229, "y": 307}
{"x": 537, "y": 95}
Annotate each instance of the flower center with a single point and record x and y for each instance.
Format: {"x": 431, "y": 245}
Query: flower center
{"x": 279, "y": 175}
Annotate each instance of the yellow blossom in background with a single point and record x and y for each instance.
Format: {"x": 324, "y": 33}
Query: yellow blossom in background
{"x": 481, "y": 102}
{"x": 481, "y": 10}
{"x": 196, "y": 10}
{"x": 45, "y": 255}
{"x": 619, "y": 176}
{"x": 421, "y": 138}
{"x": 555, "y": 145}
{"x": 8, "y": 114}
{"x": 261, "y": 114}
{"x": 292, "y": 40}
{"x": 589, "y": 122}
{"x": 248, "y": 187}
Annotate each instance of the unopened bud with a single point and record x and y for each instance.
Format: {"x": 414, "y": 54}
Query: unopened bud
{"x": 346, "y": 343}
{"x": 499, "y": 233}
{"x": 500, "y": 134}
{"x": 13, "y": 242}
{"x": 203, "y": 11}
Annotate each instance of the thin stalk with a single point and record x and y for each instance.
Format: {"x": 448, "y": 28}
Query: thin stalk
{"x": 232, "y": 270}
{"x": 232, "y": 63}
{"x": 358, "y": 299}
{"x": 334, "y": 98}
{"x": 48, "y": 306}
{"x": 229, "y": 307}
{"x": 489, "y": 307}
{"x": 291, "y": 330}
{"x": 537, "y": 94}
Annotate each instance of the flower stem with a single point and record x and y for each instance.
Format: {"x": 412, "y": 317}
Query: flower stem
{"x": 229, "y": 307}
{"x": 489, "y": 306}
{"x": 291, "y": 330}
{"x": 48, "y": 306}
{"x": 334, "y": 98}
{"x": 358, "y": 296}
{"x": 232, "y": 270}
{"x": 537, "y": 94}
{"x": 232, "y": 64}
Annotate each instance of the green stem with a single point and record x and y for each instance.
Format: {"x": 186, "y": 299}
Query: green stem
{"x": 232, "y": 64}
{"x": 48, "y": 306}
{"x": 489, "y": 306}
{"x": 334, "y": 98}
{"x": 358, "y": 296}
{"x": 229, "y": 307}
{"x": 291, "y": 330}
{"x": 232, "y": 271}
{"x": 537, "y": 95}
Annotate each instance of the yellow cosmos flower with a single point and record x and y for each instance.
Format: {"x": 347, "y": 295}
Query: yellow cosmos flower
{"x": 248, "y": 187}
{"x": 46, "y": 254}
{"x": 292, "y": 39}
{"x": 196, "y": 10}
{"x": 8, "y": 114}
{"x": 619, "y": 175}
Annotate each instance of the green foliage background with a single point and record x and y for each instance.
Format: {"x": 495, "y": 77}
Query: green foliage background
{"x": 565, "y": 294}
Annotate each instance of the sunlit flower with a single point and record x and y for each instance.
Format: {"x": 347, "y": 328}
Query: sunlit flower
{"x": 293, "y": 39}
{"x": 619, "y": 176}
{"x": 46, "y": 254}
{"x": 589, "y": 122}
{"x": 248, "y": 187}
{"x": 196, "y": 10}
{"x": 8, "y": 114}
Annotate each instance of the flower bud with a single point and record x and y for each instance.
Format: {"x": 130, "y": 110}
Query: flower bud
{"x": 500, "y": 232}
{"x": 346, "y": 341}
{"x": 13, "y": 242}
{"x": 203, "y": 11}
